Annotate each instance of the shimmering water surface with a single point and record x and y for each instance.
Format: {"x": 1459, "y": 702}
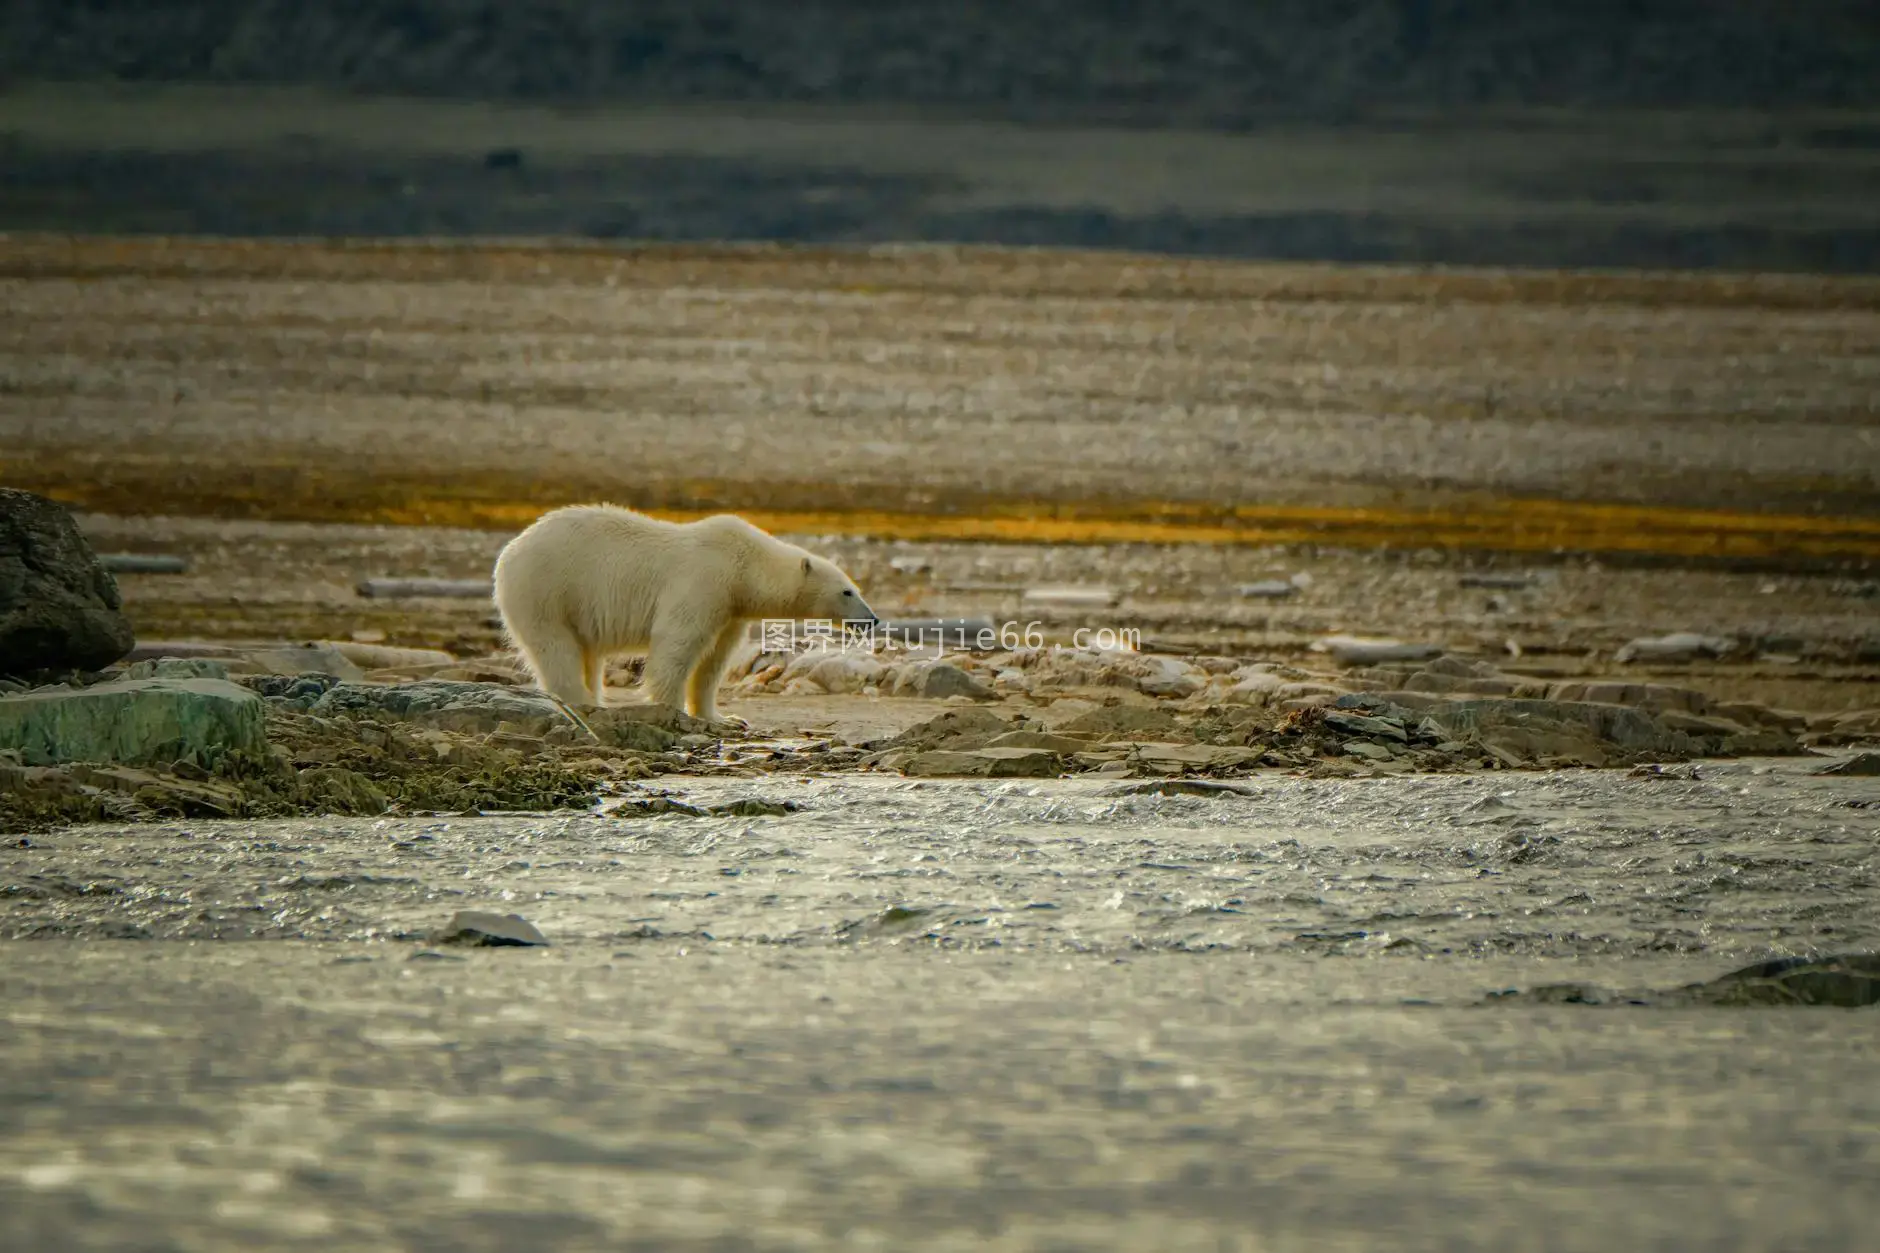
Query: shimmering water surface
{"x": 942, "y": 1014}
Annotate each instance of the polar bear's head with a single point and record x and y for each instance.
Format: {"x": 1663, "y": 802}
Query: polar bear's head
{"x": 827, "y": 593}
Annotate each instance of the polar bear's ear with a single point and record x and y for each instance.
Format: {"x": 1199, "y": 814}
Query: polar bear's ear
{"x": 806, "y": 565}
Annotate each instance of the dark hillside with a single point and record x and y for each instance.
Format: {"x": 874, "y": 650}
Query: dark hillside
{"x": 1148, "y": 61}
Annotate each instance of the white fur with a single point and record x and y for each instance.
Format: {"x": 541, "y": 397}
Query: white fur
{"x": 589, "y": 581}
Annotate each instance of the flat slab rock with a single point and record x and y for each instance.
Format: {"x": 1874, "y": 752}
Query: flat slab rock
{"x": 154, "y": 721}
{"x": 990, "y": 763}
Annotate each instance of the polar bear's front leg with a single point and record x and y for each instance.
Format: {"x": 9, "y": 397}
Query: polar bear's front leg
{"x": 701, "y": 689}
{"x": 556, "y": 657}
{"x": 680, "y": 642}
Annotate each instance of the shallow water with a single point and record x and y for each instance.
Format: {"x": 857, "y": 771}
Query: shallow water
{"x": 943, "y": 1014}
{"x": 1747, "y": 859}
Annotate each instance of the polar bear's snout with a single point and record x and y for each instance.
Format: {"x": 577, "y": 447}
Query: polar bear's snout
{"x": 856, "y": 610}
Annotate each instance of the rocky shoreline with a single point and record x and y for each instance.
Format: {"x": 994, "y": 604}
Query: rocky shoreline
{"x": 272, "y": 732}
{"x": 205, "y": 728}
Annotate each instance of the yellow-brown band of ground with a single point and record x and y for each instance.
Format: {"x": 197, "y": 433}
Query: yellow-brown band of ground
{"x": 146, "y": 486}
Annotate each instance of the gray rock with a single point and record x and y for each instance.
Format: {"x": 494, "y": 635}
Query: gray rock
{"x": 1039, "y": 739}
{"x": 479, "y": 929}
{"x": 135, "y": 722}
{"x": 1497, "y": 582}
{"x": 1861, "y": 765}
{"x": 939, "y": 680}
{"x": 1373, "y": 728}
{"x": 1267, "y": 589}
{"x": 1366, "y": 749}
{"x": 1536, "y": 729}
{"x": 59, "y": 607}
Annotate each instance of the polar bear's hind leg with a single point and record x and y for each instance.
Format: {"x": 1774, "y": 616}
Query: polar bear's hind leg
{"x": 594, "y": 670}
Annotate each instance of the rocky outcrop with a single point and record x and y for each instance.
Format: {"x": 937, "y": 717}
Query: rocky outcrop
{"x": 59, "y": 607}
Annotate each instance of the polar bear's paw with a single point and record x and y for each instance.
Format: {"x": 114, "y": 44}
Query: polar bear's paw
{"x": 726, "y": 724}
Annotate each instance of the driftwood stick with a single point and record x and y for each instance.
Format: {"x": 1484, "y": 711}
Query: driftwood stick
{"x": 143, "y": 563}
{"x": 394, "y": 589}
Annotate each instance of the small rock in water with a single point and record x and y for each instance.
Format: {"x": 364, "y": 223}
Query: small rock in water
{"x": 1180, "y": 787}
{"x": 487, "y": 930}
{"x": 1846, "y": 981}
{"x": 1862, "y": 765}
{"x": 1497, "y": 582}
{"x": 1268, "y": 589}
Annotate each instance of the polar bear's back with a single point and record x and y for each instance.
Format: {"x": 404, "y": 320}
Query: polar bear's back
{"x": 603, "y": 571}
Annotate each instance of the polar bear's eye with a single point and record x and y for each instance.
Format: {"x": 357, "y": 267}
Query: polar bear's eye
{"x": 848, "y": 593}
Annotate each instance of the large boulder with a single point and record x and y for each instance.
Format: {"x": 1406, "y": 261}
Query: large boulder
{"x": 154, "y": 721}
{"x": 59, "y": 606}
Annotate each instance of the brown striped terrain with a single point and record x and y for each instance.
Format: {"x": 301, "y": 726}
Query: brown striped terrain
{"x": 949, "y": 394}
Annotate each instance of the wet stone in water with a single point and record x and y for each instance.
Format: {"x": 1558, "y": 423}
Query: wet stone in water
{"x": 476, "y": 928}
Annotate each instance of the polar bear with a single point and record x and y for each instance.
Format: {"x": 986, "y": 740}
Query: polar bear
{"x": 588, "y": 581}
